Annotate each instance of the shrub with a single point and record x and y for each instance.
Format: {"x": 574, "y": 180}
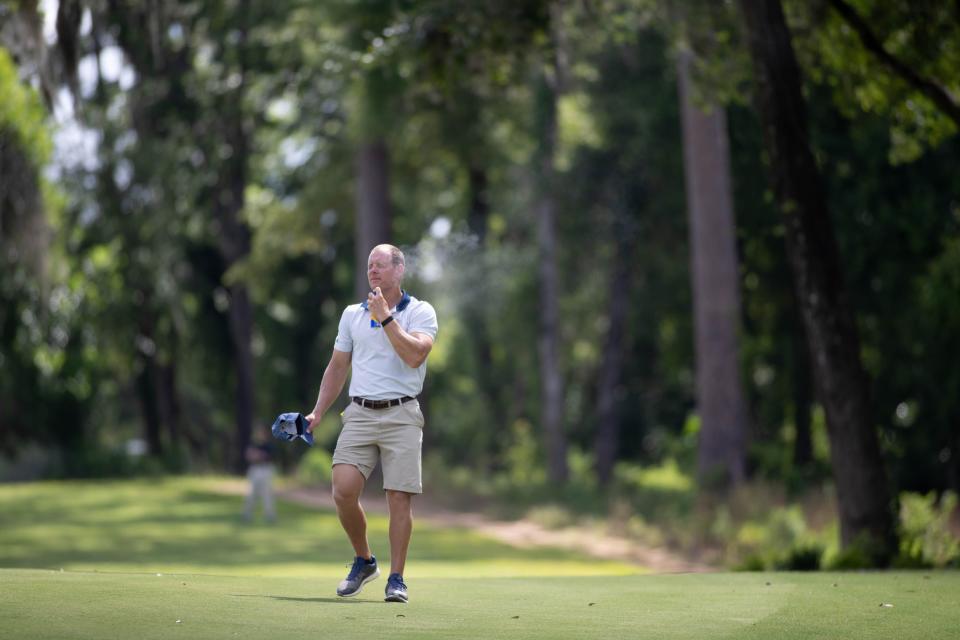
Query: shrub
{"x": 759, "y": 540}
{"x": 802, "y": 557}
{"x": 925, "y": 535}
{"x": 551, "y": 516}
{"x": 865, "y": 552}
{"x": 316, "y": 467}
{"x": 639, "y": 529}
{"x": 753, "y": 562}
{"x": 907, "y": 561}
{"x": 657, "y": 492}
{"x": 852, "y": 557}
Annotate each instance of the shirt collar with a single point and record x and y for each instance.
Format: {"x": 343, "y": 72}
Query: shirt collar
{"x": 404, "y": 301}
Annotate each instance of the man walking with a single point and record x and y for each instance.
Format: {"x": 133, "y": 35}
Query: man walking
{"x": 386, "y": 340}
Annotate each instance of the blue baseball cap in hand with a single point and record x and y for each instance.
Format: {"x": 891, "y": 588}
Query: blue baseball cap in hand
{"x": 290, "y": 426}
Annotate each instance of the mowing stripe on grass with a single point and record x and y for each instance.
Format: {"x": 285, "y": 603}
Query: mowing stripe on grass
{"x": 183, "y": 525}
{"x": 51, "y": 604}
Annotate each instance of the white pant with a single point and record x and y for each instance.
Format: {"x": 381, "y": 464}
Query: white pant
{"x": 261, "y": 484}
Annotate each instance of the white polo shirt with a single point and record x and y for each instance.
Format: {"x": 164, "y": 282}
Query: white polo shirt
{"x": 378, "y": 372}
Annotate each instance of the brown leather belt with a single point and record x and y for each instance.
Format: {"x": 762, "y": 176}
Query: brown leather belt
{"x": 381, "y": 404}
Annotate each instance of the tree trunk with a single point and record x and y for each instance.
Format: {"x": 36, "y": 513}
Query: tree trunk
{"x": 953, "y": 474}
{"x": 551, "y": 380}
{"x": 476, "y": 306}
{"x": 24, "y": 235}
{"x": 23, "y": 240}
{"x": 148, "y": 377}
{"x": 147, "y": 394}
{"x": 234, "y": 244}
{"x": 479, "y": 213}
{"x": 867, "y": 514}
{"x": 241, "y": 334}
{"x": 550, "y": 87}
{"x": 373, "y": 206}
{"x": 609, "y": 392}
{"x": 952, "y": 463}
{"x": 802, "y": 400}
{"x": 168, "y": 401}
{"x": 721, "y": 460}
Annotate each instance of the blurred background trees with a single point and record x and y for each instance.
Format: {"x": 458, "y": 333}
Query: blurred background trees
{"x": 633, "y": 267}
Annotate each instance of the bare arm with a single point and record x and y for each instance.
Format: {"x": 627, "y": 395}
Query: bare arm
{"x": 331, "y": 385}
{"x": 413, "y": 348}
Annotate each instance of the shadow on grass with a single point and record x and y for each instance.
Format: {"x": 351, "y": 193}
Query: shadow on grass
{"x": 175, "y": 521}
{"x": 308, "y": 600}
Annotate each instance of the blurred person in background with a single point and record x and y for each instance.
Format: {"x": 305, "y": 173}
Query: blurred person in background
{"x": 259, "y": 455}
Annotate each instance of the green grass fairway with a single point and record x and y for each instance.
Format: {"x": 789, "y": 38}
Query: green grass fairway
{"x": 183, "y": 525}
{"x": 50, "y": 604}
{"x": 169, "y": 559}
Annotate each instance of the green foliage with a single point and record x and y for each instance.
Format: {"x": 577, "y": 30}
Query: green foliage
{"x": 316, "y": 467}
{"x": 851, "y": 558}
{"x": 551, "y": 516}
{"x": 804, "y": 557}
{"x": 764, "y": 534}
{"x": 751, "y": 563}
{"x": 47, "y": 378}
{"x": 924, "y": 38}
{"x": 523, "y": 467}
{"x": 22, "y": 112}
{"x": 926, "y": 534}
{"x": 757, "y": 529}
{"x": 102, "y": 462}
{"x": 864, "y": 552}
{"x": 666, "y": 478}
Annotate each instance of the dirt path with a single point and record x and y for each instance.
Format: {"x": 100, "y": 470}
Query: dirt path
{"x": 522, "y": 534}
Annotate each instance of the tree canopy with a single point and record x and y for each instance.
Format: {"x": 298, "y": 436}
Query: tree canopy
{"x": 182, "y": 187}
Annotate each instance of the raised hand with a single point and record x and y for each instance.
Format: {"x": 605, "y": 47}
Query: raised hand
{"x": 377, "y": 304}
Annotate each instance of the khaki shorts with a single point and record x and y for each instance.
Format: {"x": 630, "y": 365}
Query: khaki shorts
{"x": 394, "y": 436}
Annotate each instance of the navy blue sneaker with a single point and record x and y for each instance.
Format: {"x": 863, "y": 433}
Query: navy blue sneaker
{"x": 396, "y": 591}
{"x": 360, "y": 574}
